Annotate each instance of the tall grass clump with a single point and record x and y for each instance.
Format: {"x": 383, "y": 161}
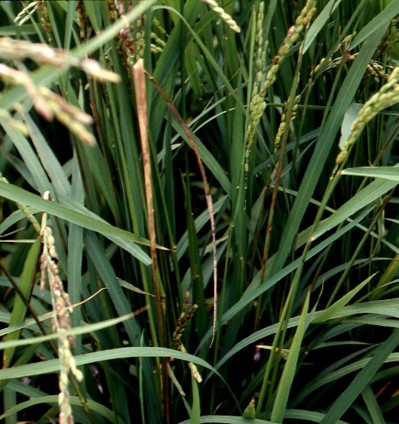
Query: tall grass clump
{"x": 199, "y": 216}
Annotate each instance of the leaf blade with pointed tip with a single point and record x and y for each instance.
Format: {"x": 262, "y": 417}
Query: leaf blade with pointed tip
{"x": 122, "y": 238}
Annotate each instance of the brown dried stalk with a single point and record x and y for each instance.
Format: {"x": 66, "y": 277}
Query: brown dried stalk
{"x": 141, "y": 101}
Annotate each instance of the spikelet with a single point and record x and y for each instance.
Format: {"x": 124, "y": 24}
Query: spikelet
{"x": 61, "y": 321}
{"x": 258, "y": 103}
{"x": 185, "y": 316}
{"x": 46, "y": 102}
{"x": 26, "y": 13}
{"x": 223, "y": 15}
{"x": 387, "y": 96}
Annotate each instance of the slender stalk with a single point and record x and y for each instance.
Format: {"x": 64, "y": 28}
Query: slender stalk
{"x": 141, "y": 102}
{"x": 208, "y": 197}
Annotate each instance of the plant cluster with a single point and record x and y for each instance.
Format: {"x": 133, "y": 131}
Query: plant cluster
{"x": 198, "y": 211}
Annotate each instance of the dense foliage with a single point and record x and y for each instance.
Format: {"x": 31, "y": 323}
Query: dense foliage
{"x": 199, "y": 220}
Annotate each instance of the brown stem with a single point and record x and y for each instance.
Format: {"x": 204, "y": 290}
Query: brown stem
{"x": 142, "y": 113}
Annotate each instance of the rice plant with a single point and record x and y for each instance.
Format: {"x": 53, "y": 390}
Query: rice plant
{"x": 199, "y": 216}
